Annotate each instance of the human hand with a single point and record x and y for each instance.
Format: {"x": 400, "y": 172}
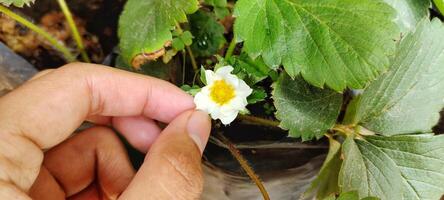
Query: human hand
{"x": 43, "y": 113}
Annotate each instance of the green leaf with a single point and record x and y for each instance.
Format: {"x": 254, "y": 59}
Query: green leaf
{"x": 439, "y": 5}
{"x": 368, "y": 170}
{"x": 145, "y": 25}
{"x": 326, "y": 183}
{"x": 307, "y": 111}
{"x": 219, "y": 7}
{"x": 339, "y": 43}
{"x": 352, "y": 195}
{"x": 420, "y": 158}
{"x": 187, "y": 38}
{"x": 274, "y": 75}
{"x": 370, "y": 198}
{"x": 168, "y": 56}
{"x": 221, "y": 12}
{"x": 257, "y": 95}
{"x": 158, "y": 69}
{"x": 216, "y": 3}
{"x": 18, "y": 3}
{"x": 410, "y": 12}
{"x": 331, "y": 197}
{"x": 178, "y": 44}
{"x": 249, "y": 70}
{"x": 203, "y": 77}
{"x": 208, "y": 34}
{"x": 191, "y": 90}
{"x": 409, "y": 97}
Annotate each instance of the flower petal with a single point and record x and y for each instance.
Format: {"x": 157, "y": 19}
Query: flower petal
{"x": 227, "y": 112}
{"x": 209, "y": 76}
{"x": 229, "y": 117}
{"x": 225, "y": 70}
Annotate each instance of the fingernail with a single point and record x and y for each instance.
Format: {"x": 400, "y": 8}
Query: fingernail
{"x": 199, "y": 127}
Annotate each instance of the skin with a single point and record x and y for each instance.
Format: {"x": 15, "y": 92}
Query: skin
{"x": 40, "y": 158}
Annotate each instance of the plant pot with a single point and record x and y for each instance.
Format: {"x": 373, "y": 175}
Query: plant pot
{"x": 285, "y": 166}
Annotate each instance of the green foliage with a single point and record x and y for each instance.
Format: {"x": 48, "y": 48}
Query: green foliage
{"x": 250, "y": 70}
{"x": 410, "y": 12}
{"x": 18, "y": 3}
{"x": 338, "y": 43}
{"x": 326, "y": 183}
{"x": 368, "y": 170}
{"x": 181, "y": 40}
{"x": 439, "y": 5}
{"x": 390, "y": 167}
{"x": 306, "y": 111}
{"x": 145, "y": 25}
{"x": 209, "y": 34}
{"x": 420, "y": 159}
{"x": 178, "y": 44}
{"x": 219, "y": 7}
{"x": 353, "y": 195}
{"x": 203, "y": 77}
{"x": 191, "y": 90}
{"x": 409, "y": 97}
{"x": 158, "y": 69}
{"x": 335, "y": 42}
{"x": 257, "y": 95}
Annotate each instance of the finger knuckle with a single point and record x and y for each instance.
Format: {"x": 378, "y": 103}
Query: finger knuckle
{"x": 190, "y": 173}
{"x": 20, "y": 160}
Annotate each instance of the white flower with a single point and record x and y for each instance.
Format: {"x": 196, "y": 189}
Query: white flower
{"x": 223, "y": 96}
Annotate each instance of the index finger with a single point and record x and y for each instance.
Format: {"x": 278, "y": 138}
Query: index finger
{"x": 48, "y": 109}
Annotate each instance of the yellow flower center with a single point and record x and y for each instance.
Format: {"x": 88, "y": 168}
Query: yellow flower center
{"x": 222, "y": 92}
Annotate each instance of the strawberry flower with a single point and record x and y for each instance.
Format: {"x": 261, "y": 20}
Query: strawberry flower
{"x": 224, "y": 96}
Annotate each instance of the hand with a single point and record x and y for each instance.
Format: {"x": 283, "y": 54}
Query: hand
{"x": 43, "y": 113}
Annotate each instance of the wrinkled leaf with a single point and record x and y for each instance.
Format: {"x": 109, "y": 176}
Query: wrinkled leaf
{"x": 306, "y": 111}
{"x": 249, "y": 70}
{"x": 208, "y": 34}
{"x": 368, "y": 170}
{"x": 410, "y": 12}
{"x": 409, "y": 97}
{"x": 257, "y": 95}
{"x": 326, "y": 183}
{"x": 145, "y": 25}
{"x": 420, "y": 158}
{"x": 339, "y": 43}
{"x": 18, "y": 3}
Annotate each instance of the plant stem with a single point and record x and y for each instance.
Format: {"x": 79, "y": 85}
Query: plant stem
{"x": 245, "y": 166}
{"x": 190, "y": 52}
{"x": 231, "y": 47}
{"x": 193, "y": 60}
{"x": 344, "y": 129}
{"x": 74, "y": 30}
{"x": 184, "y": 59}
{"x": 53, "y": 41}
{"x": 258, "y": 120}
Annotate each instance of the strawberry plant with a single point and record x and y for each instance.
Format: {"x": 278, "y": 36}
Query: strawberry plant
{"x": 366, "y": 75}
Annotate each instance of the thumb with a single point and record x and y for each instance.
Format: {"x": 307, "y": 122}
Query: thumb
{"x": 172, "y": 167}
